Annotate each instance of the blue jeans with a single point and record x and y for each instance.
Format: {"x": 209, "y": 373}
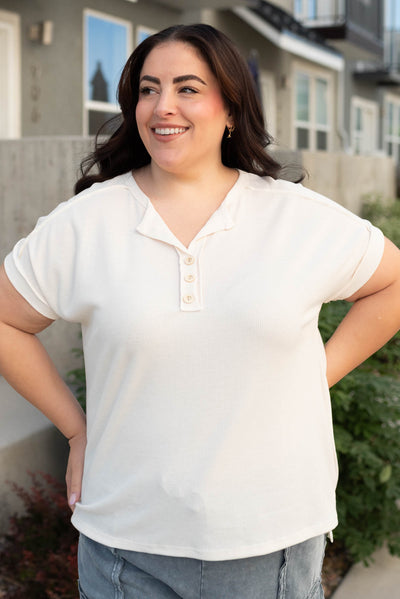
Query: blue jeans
{"x": 108, "y": 573}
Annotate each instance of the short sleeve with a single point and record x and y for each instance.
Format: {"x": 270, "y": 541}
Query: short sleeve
{"x": 334, "y": 250}
{"x": 22, "y": 274}
{"x": 41, "y": 266}
{"x": 367, "y": 245}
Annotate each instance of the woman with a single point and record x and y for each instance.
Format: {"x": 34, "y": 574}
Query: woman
{"x": 198, "y": 277}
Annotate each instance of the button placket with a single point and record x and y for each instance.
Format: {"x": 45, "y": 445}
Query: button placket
{"x": 190, "y": 290}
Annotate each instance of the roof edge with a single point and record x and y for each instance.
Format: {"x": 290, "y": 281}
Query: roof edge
{"x": 290, "y": 42}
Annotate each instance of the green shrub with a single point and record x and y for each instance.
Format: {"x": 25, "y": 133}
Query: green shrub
{"x": 38, "y": 557}
{"x": 366, "y": 410}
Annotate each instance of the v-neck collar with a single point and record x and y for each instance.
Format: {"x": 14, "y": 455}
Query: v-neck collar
{"x": 153, "y": 225}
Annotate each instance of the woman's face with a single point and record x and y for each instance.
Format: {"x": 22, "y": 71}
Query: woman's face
{"x": 181, "y": 115}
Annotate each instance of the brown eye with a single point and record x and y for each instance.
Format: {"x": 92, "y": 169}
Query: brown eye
{"x": 188, "y": 90}
{"x": 146, "y": 91}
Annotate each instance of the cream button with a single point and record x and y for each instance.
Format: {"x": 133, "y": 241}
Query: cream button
{"x": 189, "y": 260}
{"x": 189, "y": 278}
{"x": 188, "y": 299}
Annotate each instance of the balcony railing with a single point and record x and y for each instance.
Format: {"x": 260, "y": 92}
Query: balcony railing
{"x": 321, "y": 12}
{"x": 353, "y": 20}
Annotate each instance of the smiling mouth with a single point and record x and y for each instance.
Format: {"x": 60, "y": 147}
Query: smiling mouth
{"x": 169, "y": 130}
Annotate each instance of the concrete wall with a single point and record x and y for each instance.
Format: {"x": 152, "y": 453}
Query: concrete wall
{"x": 347, "y": 179}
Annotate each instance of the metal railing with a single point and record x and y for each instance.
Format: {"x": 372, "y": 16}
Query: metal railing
{"x": 322, "y": 12}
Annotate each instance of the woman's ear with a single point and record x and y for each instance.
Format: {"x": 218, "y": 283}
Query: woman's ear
{"x": 229, "y": 122}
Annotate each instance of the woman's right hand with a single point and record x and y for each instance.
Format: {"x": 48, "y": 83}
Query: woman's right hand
{"x": 74, "y": 474}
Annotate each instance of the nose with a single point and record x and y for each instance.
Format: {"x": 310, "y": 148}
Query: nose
{"x": 166, "y": 103}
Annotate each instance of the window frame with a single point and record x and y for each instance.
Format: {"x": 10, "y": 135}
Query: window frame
{"x": 359, "y": 103}
{"x": 10, "y": 23}
{"x": 95, "y": 105}
{"x": 268, "y": 101}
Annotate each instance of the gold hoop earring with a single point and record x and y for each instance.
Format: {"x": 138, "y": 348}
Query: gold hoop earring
{"x": 230, "y": 131}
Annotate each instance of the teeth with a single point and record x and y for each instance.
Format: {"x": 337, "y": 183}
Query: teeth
{"x": 170, "y": 130}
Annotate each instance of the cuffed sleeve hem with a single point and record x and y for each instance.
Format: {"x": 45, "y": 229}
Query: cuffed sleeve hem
{"x": 367, "y": 266}
{"x": 23, "y": 287}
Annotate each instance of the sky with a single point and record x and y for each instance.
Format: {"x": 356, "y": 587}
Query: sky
{"x": 392, "y": 14}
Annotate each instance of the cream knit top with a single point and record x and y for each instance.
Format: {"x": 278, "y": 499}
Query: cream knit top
{"x": 209, "y": 419}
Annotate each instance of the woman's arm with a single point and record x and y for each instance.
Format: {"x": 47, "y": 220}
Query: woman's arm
{"x": 25, "y": 364}
{"x": 371, "y": 321}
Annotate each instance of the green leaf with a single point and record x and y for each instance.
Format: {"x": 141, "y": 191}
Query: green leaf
{"x": 385, "y": 473}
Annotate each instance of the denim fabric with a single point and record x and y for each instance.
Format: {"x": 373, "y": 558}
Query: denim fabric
{"x": 108, "y": 573}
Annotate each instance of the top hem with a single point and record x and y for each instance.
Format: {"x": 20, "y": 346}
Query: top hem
{"x": 208, "y": 554}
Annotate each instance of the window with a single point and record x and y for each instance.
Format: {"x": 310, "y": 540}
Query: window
{"x": 312, "y": 122}
{"x": 392, "y": 127}
{"x": 107, "y": 47}
{"x": 321, "y": 113}
{"x": 302, "y": 111}
{"x": 364, "y": 126}
{"x": 392, "y": 34}
{"x": 392, "y": 14}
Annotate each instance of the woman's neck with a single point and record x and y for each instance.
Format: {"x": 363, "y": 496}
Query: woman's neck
{"x": 158, "y": 184}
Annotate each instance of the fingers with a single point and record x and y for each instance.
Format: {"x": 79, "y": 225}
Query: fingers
{"x": 73, "y": 498}
{"x": 74, "y": 472}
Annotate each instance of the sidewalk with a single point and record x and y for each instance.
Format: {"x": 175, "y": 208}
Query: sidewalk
{"x": 381, "y": 580}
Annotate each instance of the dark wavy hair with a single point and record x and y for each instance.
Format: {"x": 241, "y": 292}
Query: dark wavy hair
{"x": 245, "y": 150}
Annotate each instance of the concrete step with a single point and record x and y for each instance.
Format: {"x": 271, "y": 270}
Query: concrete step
{"x": 380, "y": 580}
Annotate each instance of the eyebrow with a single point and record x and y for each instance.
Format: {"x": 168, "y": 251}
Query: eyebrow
{"x": 180, "y": 79}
